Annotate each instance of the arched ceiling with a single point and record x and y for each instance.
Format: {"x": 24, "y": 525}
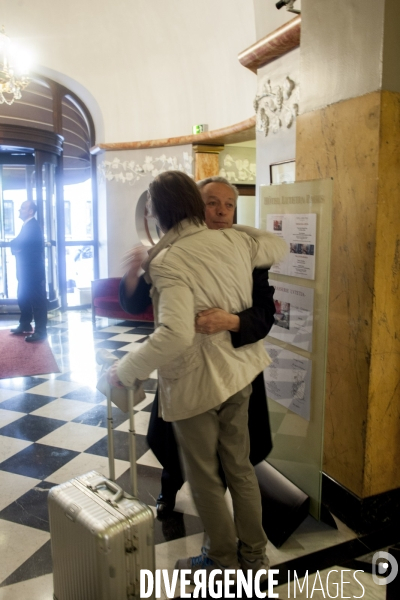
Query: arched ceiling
{"x": 145, "y": 68}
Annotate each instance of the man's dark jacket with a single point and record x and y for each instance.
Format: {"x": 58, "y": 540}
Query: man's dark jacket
{"x": 28, "y": 248}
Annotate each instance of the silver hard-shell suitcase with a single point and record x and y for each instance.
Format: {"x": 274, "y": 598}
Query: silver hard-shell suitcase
{"x": 100, "y": 536}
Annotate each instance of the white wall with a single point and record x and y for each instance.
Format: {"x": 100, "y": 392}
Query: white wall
{"x": 153, "y": 68}
{"x": 336, "y": 39}
{"x": 122, "y": 177}
{"x": 268, "y": 17}
{"x": 280, "y": 146}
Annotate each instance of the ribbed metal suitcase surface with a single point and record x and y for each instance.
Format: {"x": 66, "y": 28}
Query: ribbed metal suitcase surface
{"x": 101, "y": 538}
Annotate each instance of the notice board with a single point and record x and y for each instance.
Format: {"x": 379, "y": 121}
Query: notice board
{"x": 301, "y": 213}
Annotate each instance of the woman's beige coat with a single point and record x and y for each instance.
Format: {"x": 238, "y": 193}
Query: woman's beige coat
{"x": 192, "y": 269}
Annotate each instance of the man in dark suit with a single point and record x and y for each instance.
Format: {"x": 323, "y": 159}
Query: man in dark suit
{"x": 28, "y": 248}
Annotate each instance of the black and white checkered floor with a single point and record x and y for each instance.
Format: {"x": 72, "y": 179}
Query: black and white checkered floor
{"x": 53, "y": 427}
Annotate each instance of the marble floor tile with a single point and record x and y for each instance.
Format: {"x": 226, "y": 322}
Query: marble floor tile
{"x": 64, "y": 409}
{"x": 116, "y": 330}
{"x": 177, "y": 526}
{"x": 142, "y": 419}
{"x": 142, "y": 329}
{"x": 86, "y": 394}
{"x": 125, "y": 337}
{"x": 55, "y": 388}
{"x": 50, "y": 376}
{"x": 313, "y": 535}
{"x": 150, "y": 385}
{"x": 149, "y": 460}
{"x": 38, "y": 564}
{"x": 168, "y": 553}
{"x": 97, "y": 416}
{"x": 38, "y": 461}
{"x": 69, "y": 429}
{"x": 30, "y": 427}
{"x": 84, "y": 376}
{"x": 131, "y": 347}
{"x": 146, "y": 402}
{"x": 8, "y": 416}
{"x": 6, "y": 394}
{"x": 29, "y": 509}
{"x": 39, "y": 588}
{"x": 10, "y": 446}
{"x": 13, "y": 486}
{"x": 83, "y": 463}
{"x": 148, "y": 483}
{"x": 184, "y": 501}
{"x": 310, "y": 536}
{"x": 101, "y": 335}
{"x": 13, "y": 553}
{"x": 26, "y": 402}
{"x": 121, "y": 446}
{"x": 74, "y": 436}
{"x": 20, "y": 383}
{"x": 110, "y": 345}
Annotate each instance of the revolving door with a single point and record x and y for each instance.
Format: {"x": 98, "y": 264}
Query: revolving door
{"x": 28, "y": 173}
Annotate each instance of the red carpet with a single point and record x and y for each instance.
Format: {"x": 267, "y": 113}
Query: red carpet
{"x": 18, "y": 358}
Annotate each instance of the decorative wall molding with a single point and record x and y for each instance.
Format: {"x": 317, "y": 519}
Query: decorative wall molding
{"x": 238, "y": 165}
{"x": 276, "y": 105}
{"x": 238, "y": 170}
{"x": 233, "y": 134}
{"x": 129, "y": 171}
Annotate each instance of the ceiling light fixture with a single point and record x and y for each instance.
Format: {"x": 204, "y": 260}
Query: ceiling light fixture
{"x": 13, "y": 70}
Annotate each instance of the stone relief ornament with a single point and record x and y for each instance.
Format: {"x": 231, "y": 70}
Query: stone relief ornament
{"x": 276, "y": 105}
{"x": 238, "y": 170}
{"x": 129, "y": 171}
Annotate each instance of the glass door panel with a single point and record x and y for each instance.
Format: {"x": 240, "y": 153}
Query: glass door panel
{"x": 24, "y": 177}
{"x": 28, "y": 174}
{"x": 79, "y": 242}
{"x": 80, "y": 274}
{"x": 13, "y": 192}
{"x": 49, "y": 219}
{"x": 45, "y": 165}
{"x": 8, "y": 275}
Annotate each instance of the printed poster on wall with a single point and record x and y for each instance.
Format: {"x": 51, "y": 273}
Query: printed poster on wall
{"x": 288, "y": 380}
{"x": 299, "y": 231}
{"x": 294, "y": 306}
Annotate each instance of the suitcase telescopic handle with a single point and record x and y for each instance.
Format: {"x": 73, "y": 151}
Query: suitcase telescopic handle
{"x": 113, "y": 487}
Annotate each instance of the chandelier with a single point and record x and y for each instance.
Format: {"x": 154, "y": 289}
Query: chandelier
{"x": 13, "y": 71}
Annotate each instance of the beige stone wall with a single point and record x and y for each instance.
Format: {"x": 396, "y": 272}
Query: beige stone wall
{"x": 356, "y": 143}
{"x": 382, "y": 465}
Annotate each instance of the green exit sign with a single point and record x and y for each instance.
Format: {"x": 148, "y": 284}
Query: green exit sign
{"x": 199, "y": 128}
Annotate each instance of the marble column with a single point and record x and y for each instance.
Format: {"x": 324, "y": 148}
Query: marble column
{"x": 356, "y": 140}
{"x": 206, "y": 161}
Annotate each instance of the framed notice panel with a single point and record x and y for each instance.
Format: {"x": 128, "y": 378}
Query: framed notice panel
{"x": 301, "y": 213}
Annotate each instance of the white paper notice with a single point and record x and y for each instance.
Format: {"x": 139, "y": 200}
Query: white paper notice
{"x": 294, "y": 314}
{"x": 299, "y": 231}
{"x": 288, "y": 380}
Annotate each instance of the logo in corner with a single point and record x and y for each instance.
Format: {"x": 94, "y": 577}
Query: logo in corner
{"x": 384, "y": 568}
